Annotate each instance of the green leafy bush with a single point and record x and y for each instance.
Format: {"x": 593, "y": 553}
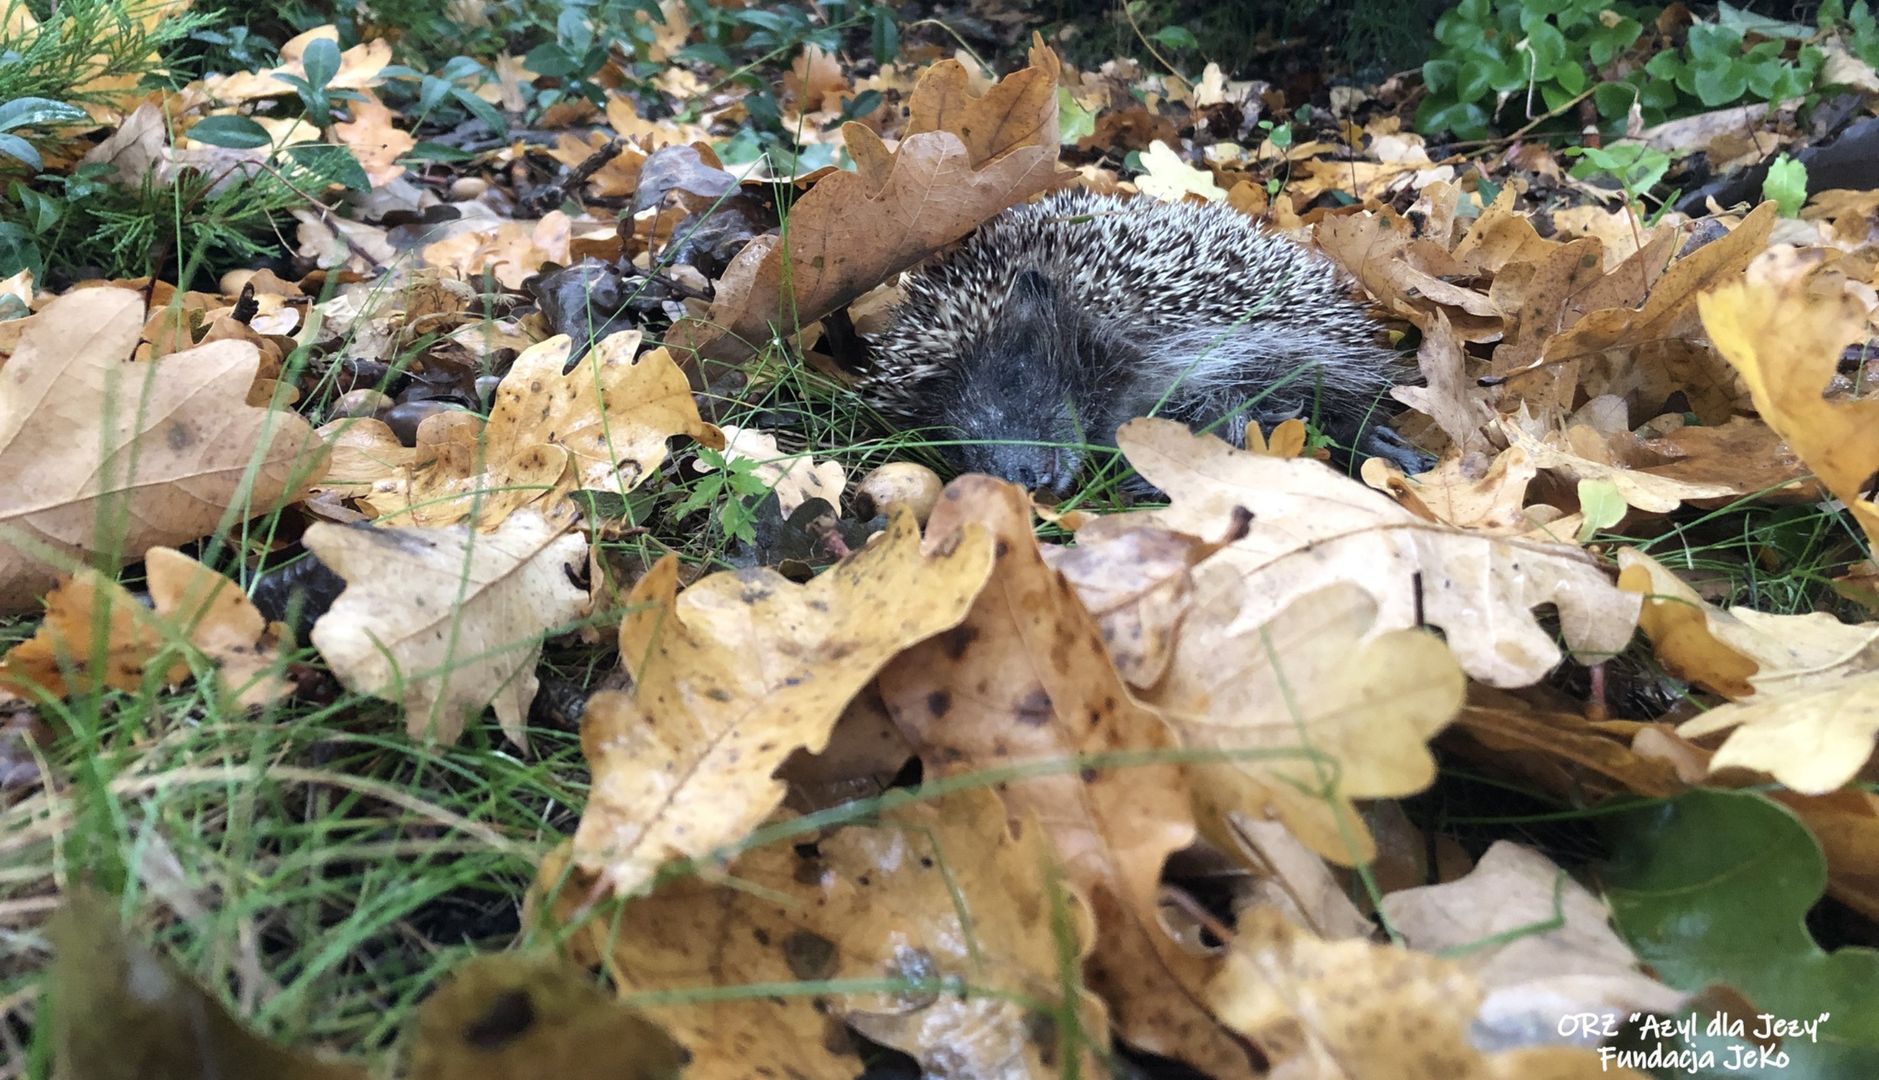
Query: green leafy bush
{"x": 1531, "y": 57}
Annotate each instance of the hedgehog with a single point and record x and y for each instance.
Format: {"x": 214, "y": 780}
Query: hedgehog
{"x": 1059, "y": 320}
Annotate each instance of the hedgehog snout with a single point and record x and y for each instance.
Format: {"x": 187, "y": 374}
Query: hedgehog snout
{"x": 1050, "y": 469}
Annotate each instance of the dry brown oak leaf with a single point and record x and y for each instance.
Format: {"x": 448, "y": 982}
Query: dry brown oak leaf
{"x": 964, "y": 159}
{"x": 105, "y": 458}
{"x": 448, "y": 621}
{"x": 94, "y": 634}
{"x": 1333, "y": 1010}
{"x": 732, "y": 676}
{"x": 1025, "y": 681}
{"x": 602, "y": 426}
{"x": 931, "y": 894}
{"x": 1312, "y": 527}
{"x": 1309, "y": 709}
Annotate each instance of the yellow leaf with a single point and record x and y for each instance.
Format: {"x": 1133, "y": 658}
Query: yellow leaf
{"x": 1025, "y": 679}
{"x": 1785, "y": 339}
{"x": 732, "y": 676}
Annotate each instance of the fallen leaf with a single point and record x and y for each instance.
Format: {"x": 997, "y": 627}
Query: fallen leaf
{"x": 1327, "y": 1009}
{"x": 1311, "y": 527}
{"x": 108, "y": 459}
{"x": 125, "y": 1013}
{"x": 215, "y": 616}
{"x": 734, "y": 674}
{"x": 602, "y": 426}
{"x": 446, "y": 622}
{"x": 94, "y": 633}
{"x": 934, "y": 895}
{"x": 1785, "y": 339}
{"x": 1536, "y": 941}
{"x": 1025, "y": 681}
{"x": 517, "y": 1016}
{"x": 374, "y": 139}
{"x": 1308, "y": 710}
{"x": 963, "y": 159}
{"x": 1166, "y": 176}
{"x": 795, "y": 478}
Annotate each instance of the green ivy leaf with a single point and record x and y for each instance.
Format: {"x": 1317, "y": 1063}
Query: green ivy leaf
{"x": 1714, "y": 887}
{"x": 321, "y": 62}
{"x": 1718, "y": 84}
{"x": 232, "y": 132}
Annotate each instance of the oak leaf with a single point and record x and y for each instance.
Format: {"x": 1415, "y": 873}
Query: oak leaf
{"x": 447, "y": 621}
{"x": 1308, "y": 709}
{"x": 1026, "y": 681}
{"x": 1785, "y": 340}
{"x": 1539, "y": 943}
{"x": 963, "y": 159}
{"x": 941, "y": 895}
{"x": 601, "y": 426}
{"x": 734, "y": 674}
{"x": 1311, "y": 527}
{"x": 1326, "y": 1010}
{"x": 107, "y": 459}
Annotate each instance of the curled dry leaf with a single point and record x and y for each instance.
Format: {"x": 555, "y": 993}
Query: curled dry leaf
{"x": 732, "y": 676}
{"x": 1324, "y": 1009}
{"x": 964, "y": 159}
{"x": 1810, "y": 683}
{"x": 215, "y": 616}
{"x": 602, "y": 426}
{"x": 1553, "y": 950}
{"x": 108, "y": 458}
{"x": 1309, "y": 710}
{"x": 1025, "y": 680}
{"x": 936, "y": 894}
{"x": 94, "y": 633}
{"x": 1311, "y": 527}
{"x": 447, "y": 621}
{"x": 1785, "y": 340}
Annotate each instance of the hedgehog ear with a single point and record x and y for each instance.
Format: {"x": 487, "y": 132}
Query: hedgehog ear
{"x": 1032, "y": 286}
{"x": 1032, "y": 294}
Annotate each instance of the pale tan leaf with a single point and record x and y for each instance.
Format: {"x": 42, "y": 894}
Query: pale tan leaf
{"x": 447, "y": 621}
{"x": 106, "y": 459}
{"x": 1311, "y": 528}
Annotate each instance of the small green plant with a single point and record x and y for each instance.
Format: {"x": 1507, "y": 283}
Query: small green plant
{"x": 1493, "y": 50}
{"x": 1786, "y": 185}
{"x": 1858, "y": 27}
{"x": 1547, "y": 55}
{"x": 726, "y": 487}
{"x": 1637, "y": 167}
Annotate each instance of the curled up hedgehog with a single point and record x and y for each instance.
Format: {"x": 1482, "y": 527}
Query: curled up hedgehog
{"x": 1059, "y": 320}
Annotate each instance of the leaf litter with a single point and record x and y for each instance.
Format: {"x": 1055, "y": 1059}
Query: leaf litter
{"x": 1085, "y": 783}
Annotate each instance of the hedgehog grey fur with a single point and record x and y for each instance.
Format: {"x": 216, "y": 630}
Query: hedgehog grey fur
{"x": 1059, "y": 320}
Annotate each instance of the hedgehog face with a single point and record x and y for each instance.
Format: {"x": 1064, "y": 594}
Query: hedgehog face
{"x": 1021, "y": 405}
